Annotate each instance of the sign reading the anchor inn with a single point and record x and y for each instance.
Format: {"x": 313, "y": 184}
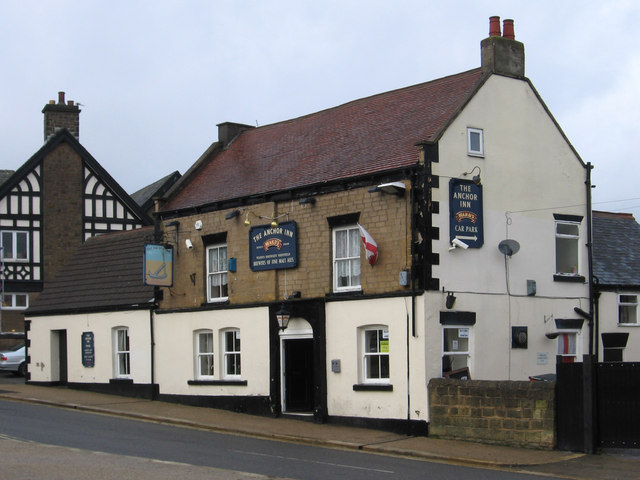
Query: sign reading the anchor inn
{"x": 158, "y": 265}
{"x": 465, "y": 212}
{"x": 272, "y": 248}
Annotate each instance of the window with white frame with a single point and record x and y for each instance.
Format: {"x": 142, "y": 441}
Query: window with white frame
{"x": 456, "y": 349}
{"x": 121, "y": 352}
{"x": 475, "y": 142}
{"x": 231, "y": 353}
{"x": 567, "y": 247}
{"x": 15, "y": 246}
{"x": 375, "y": 354}
{"x": 346, "y": 258}
{"x": 568, "y": 346}
{"x": 217, "y": 283}
{"x": 15, "y": 301}
{"x": 204, "y": 354}
{"x": 628, "y": 309}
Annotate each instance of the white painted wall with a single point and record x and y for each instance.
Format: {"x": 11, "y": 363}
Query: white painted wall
{"x": 608, "y": 320}
{"x": 528, "y": 172}
{"x": 44, "y": 355}
{"x": 175, "y": 354}
{"x": 344, "y": 343}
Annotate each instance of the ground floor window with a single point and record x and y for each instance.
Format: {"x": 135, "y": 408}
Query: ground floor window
{"x": 204, "y": 354}
{"x": 456, "y": 353}
{"x": 568, "y": 346}
{"x": 375, "y": 354}
{"x": 122, "y": 360}
{"x": 231, "y": 353}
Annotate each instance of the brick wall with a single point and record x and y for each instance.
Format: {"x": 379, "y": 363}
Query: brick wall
{"x": 61, "y": 208}
{"x": 386, "y": 218}
{"x": 501, "y": 412}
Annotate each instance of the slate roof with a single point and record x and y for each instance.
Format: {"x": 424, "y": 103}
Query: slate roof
{"x": 616, "y": 249}
{"x": 144, "y": 197}
{"x": 365, "y": 136}
{"x": 105, "y": 273}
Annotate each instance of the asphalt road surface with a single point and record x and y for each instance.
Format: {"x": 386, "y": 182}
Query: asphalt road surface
{"x": 55, "y": 443}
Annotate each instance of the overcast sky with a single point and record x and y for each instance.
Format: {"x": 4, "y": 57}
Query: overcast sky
{"x": 155, "y": 77}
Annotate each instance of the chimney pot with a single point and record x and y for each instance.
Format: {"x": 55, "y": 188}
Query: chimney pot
{"x": 61, "y": 98}
{"x": 507, "y": 30}
{"x": 494, "y": 26}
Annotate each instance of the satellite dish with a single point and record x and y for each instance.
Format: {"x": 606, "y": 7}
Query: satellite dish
{"x": 508, "y": 247}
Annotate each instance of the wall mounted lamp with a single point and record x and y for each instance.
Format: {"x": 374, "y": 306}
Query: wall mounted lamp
{"x": 273, "y": 218}
{"x": 392, "y": 188}
{"x": 283, "y": 317}
{"x": 476, "y": 178}
{"x": 232, "y": 214}
{"x": 450, "y": 301}
{"x": 308, "y": 201}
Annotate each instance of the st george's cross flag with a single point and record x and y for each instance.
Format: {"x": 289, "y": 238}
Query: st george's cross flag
{"x": 370, "y": 246}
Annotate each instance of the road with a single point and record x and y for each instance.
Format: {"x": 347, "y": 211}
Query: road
{"x": 47, "y": 442}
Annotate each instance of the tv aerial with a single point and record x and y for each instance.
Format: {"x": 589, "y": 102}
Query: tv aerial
{"x": 508, "y": 247}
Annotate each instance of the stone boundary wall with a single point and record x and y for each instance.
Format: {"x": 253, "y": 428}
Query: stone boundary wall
{"x": 516, "y": 413}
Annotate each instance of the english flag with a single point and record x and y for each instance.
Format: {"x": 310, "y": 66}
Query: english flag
{"x": 370, "y": 246}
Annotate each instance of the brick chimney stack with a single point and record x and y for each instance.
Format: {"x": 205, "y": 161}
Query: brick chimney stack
{"x": 61, "y": 115}
{"x": 502, "y": 54}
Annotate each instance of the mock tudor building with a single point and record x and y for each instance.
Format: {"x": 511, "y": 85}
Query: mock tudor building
{"x": 330, "y": 265}
{"x": 55, "y": 201}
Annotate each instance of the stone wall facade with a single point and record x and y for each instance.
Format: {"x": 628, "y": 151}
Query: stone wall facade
{"x": 516, "y": 413}
{"x": 386, "y": 218}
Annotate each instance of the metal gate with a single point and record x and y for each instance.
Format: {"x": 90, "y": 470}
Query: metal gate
{"x": 616, "y": 397}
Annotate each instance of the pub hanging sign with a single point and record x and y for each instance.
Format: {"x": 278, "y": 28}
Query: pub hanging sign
{"x": 273, "y": 248}
{"x": 158, "y": 265}
{"x": 465, "y": 212}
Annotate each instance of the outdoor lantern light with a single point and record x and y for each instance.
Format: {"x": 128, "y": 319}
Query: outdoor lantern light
{"x": 450, "y": 301}
{"x": 476, "y": 178}
{"x": 283, "y": 316}
{"x": 247, "y": 222}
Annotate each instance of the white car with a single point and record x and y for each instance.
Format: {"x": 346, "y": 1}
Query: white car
{"x": 14, "y": 360}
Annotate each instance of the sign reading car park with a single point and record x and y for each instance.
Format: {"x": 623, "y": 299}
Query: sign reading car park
{"x": 465, "y": 212}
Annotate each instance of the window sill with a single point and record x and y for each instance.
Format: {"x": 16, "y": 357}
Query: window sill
{"x": 226, "y": 383}
{"x": 568, "y": 278}
{"x": 113, "y": 381}
{"x": 373, "y": 387}
{"x": 632, "y": 325}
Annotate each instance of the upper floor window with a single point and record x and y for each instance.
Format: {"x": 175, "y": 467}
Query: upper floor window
{"x": 121, "y": 352}
{"x": 627, "y": 309}
{"x": 217, "y": 283}
{"x": 375, "y": 354}
{"x": 346, "y": 258}
{"x": 231, "y": 353}
{"x": 475, "y": 142}
{"x": 567, "y": 247}
{"x": 15, "y": 245}
{"x": 204, "y": 354}
{"x": 15, "y": 301}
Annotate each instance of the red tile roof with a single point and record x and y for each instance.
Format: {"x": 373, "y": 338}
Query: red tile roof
{"x": 365, "y": 136}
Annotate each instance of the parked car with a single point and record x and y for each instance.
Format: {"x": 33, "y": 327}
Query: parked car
{"x": 14, "y": 360}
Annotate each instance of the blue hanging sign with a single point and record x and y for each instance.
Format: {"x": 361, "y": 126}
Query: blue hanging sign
{"x": 272, "y": 248}
{"x": 158, "y": 265}
{"x": 465, "y": 212}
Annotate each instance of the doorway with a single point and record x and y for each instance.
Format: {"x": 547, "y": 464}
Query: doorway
{"x": 298, "y": 378}
{"x": 59, "y": 356}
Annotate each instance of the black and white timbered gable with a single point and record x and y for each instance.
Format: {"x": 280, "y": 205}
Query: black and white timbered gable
{"x": 27, "y": 194}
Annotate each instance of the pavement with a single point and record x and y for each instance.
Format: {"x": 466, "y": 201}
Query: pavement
{"x": 614, "y": 465}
